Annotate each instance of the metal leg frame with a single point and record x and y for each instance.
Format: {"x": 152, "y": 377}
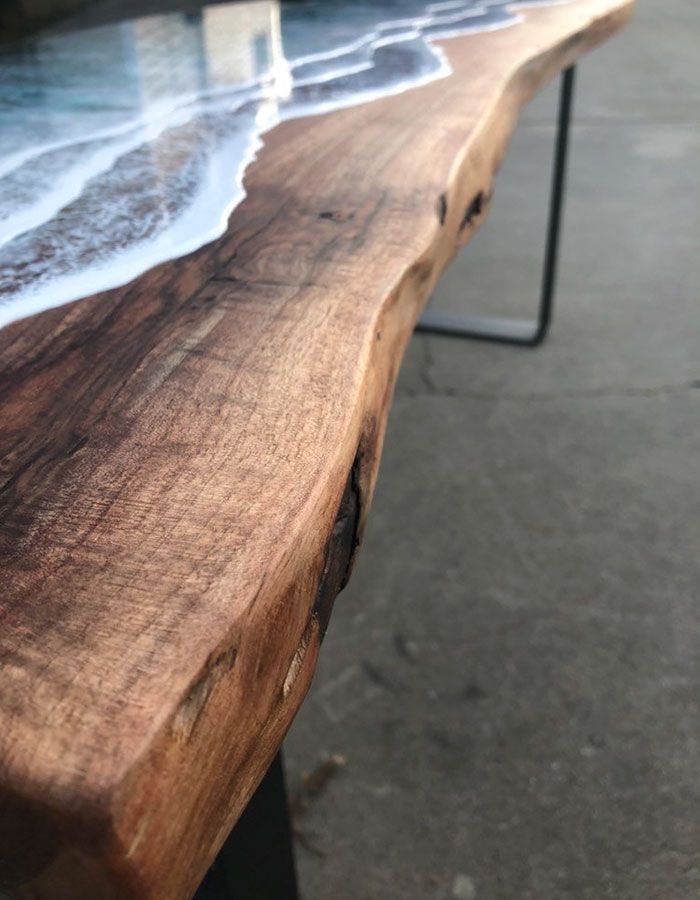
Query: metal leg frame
{"x": 257, "y": 860}
{"x": 517, "y": 331}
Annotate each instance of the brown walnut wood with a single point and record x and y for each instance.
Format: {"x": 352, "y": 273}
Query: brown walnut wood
{"x": 187, "y": 466}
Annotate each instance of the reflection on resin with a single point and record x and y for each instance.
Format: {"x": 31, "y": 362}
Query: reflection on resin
{"x": 126, "y": 145}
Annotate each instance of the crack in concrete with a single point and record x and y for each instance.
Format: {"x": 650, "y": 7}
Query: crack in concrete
{"x": 428, "y": 363}
{"x": 432, "y": 389}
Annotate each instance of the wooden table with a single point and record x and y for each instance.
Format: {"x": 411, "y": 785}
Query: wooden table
{"x": 188, "y": 466}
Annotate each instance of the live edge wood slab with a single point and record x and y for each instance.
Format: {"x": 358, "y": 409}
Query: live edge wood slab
{"x": 187, "y": 466}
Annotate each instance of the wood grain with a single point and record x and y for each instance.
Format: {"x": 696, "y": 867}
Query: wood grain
{"x": 188, "y": 463}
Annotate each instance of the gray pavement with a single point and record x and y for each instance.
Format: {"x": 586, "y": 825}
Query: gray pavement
{"x": 513, "y": 675}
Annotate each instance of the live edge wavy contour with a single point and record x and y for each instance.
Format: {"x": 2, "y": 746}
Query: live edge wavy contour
{"x": 189, "y": 464}
{"x": 126, "y": 145}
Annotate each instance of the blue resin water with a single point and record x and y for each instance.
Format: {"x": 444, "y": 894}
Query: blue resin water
{"x": 125, "y": 145}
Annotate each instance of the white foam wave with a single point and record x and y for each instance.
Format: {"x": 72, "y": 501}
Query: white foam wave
{"x": 110, "y": 188}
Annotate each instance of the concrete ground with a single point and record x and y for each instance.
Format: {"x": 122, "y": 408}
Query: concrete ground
{"x": 513, "y": 675}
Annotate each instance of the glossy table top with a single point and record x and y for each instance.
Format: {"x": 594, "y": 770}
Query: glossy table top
{"x": 125, "y": 145}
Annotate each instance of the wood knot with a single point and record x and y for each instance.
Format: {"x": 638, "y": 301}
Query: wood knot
{"x": 340, "y": 549}
{"x": 474, "y": 209}
{"x": 331, "y": 215}
{"x": 192, "y": 705}
{"x": 442, "y": 208}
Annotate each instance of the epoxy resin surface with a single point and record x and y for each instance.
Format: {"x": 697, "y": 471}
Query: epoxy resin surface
{"x": 125, "y": 145}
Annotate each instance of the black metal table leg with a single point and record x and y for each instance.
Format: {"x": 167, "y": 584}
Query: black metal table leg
{"x": 517, "y": 331}
{"x": 257, "y": 860}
